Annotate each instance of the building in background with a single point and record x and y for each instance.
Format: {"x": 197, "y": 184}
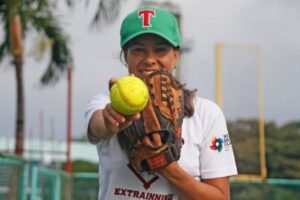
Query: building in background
{"x": 51, "y": 151}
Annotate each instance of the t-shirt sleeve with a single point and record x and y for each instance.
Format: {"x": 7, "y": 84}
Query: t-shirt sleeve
{"x": 216, "y": 156}
{"x": 96, "y": 103}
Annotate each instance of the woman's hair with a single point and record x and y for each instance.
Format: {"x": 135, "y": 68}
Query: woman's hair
{"x": 121, "y": 57}
{"x": 189, "y": 104}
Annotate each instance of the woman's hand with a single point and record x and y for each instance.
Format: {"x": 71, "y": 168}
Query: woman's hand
{"x": 114, "y": 121}
{"x": 107, "y": 121}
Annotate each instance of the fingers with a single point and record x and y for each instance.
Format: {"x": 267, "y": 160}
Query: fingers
{"x": 134, "y": 117}
{"x": 153, "y": 141}
{"x": 147, "y": 142}
{"x": 116, "y": 121}
{"x": 156, "y": 139}
{"x": 111, "y": 82}
{"x": 129, "y": 120}
{"x": 112, "y": 117}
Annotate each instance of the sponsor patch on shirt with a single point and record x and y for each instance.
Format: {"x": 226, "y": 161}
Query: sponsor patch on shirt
{"x": 220, "y": 143}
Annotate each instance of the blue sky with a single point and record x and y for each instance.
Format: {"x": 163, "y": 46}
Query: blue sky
{"x": 273, "y": 25}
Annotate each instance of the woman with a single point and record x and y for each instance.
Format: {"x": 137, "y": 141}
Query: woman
{"x": 150, "y": 41}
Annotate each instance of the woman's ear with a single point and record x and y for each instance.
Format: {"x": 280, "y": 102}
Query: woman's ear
{"x": 125, "y": 55}
{"x": 176, "y": 55}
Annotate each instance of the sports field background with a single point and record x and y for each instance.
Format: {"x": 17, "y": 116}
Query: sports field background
{"x": 254, "y": 47}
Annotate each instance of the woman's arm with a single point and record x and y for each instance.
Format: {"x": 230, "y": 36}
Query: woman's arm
{"x": 106, "y": 122}
{"x": 189, "y": 188}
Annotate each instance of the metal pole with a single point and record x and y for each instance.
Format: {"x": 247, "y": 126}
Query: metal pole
{"x": 42, "y": 136}
{"x": 52, "y": 138}
{"x": 69, "y": 119}
{"x": 261, "y": 124}
{"x": 218, "y": 74}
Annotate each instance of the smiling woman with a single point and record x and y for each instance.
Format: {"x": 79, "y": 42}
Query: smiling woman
{"x": 148, "y": 53}
{"x": 151, "y": 43}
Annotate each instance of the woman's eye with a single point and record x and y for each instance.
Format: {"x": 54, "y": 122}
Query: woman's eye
{"x": 161, "y": 49}
{"x": 137, "y": 49}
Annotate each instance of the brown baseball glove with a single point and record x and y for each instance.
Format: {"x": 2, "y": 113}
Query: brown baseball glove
{"x": 154, "y": 141}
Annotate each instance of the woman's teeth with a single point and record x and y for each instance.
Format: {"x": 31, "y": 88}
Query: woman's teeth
{"x": 149, "y": 72}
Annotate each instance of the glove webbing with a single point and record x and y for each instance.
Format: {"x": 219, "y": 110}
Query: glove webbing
{"x": 159, "y": 161}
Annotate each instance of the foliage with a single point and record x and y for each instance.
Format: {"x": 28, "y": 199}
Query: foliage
{"x": 244, "y": 136}
{"x": 282, "y": 148}
{"x": 107, "y": 11}
{"x": 82, "y": 166}
{"x": 283, "y": 158}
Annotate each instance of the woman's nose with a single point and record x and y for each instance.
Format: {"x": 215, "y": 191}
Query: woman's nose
{"x": 150, "y": 59}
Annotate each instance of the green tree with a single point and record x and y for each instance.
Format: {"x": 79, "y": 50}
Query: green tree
{"x": 82, "y": 166}
{"x": 283, "y": 159}
{"x": 18, "y": 18}
{"x": 282, "y": 148}
{"x": 244, "y": 137}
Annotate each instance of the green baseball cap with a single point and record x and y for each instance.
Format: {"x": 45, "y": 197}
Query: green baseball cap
{"x": 150, "y": 20}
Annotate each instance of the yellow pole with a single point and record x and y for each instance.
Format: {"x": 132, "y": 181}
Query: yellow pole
{"x": 218, "y": 74}
{"x": 261, "y": 121}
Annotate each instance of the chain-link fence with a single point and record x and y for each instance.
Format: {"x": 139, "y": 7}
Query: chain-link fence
{"x": 19, "y": 181}
{"x": 13, "y": 179}
{"x": 82, "y": 190}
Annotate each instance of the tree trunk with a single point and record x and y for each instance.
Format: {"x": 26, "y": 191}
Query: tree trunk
{"x": 20, "y": 110}
{"x": 17, "y": 51}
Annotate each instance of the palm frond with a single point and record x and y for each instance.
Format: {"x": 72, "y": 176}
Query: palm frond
{"x": 5, "y": 46}
{"x": 13, "y": 7}
{"x": 60, "y": 52}
{"x": 3, "y": 50}
{"x": 70, "y": 2}
{"x": 41, "y": 5}
{"x": 41, "y": 45}
{"x": 107, "y": 12}
{"x": 2, "y": 7}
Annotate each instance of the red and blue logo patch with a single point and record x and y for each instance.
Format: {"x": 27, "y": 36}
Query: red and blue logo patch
{"x": 216, "y": 144}
{"x": 220, "y": 143}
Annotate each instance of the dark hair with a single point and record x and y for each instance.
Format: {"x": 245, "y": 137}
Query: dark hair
{"x": 121, "y": 57}
{"x": 189, "y": 105}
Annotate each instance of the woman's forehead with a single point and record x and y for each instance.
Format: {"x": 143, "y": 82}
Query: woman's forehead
{"x": 148, "y": 39}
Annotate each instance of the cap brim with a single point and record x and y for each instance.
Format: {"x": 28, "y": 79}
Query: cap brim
{"x": 174, "y": 44}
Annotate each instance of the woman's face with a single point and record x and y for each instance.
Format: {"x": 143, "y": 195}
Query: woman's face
{"x": 148, "y": 53}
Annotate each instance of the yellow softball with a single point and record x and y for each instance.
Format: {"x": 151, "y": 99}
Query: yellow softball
{"x": 129, "y": 95}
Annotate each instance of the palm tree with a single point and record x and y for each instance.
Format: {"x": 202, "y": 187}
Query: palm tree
{"x": 19, "y": 17}
{"x": 107, "y": 11}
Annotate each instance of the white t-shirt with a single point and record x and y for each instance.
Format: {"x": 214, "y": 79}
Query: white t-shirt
{"x": 205, "y": 154}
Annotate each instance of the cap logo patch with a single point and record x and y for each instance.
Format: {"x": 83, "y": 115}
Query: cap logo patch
{"x": 146, "y": 17}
